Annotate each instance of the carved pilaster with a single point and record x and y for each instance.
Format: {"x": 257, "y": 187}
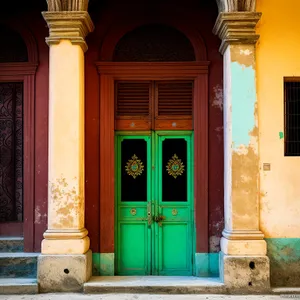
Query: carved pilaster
{"x": 236, "y": 5}
{"x": 236, "y": 28}
{"x": 68, "y": 25}
{"x": 67, "y": 5}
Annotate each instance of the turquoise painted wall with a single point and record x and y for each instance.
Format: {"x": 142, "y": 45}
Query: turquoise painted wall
{"x": 284, "y": 255}
{"x": 206, "y": 264}
{"x": 243, "y": 103}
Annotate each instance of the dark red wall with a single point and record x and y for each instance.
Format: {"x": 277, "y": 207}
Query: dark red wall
{"x": 193, "y": 15}
{"x": 37, "y": 26}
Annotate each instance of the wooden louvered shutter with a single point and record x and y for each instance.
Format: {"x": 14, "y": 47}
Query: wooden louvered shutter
{"x": 174, "y": 105}
{"x": 133, "y": 105}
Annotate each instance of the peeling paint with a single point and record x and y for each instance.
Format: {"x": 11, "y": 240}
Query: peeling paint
{"x": 67, "y": 204}
{"x": 219, "y": 134}
{"x": 218, "y": 97}
{"x": 39, "y": 217}
{"x": 214, "y": 243}
{"x": 243, "y": 104}
{"x": 243, "y": 55}
{"x": 245, "y": 210}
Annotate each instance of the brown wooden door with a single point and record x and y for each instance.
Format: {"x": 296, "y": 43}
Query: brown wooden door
{"x": 11, "y": 158}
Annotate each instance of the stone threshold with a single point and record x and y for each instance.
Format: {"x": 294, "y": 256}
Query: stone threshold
{"x": 18, "y": 286}
{"x": 154, "y": 285}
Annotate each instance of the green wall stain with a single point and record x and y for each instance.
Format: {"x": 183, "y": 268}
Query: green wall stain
{"x": 207, "y": 264}
{"x": 281, "y": 135}
{"x": 243, "y": 103}
{"x": 284, "y": 255}
{"x": 96, "y": 264}
{"x": 103, "y": 264}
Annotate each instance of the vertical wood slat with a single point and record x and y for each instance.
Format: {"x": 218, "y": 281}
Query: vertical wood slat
{"x": 174, "y": 98}
{"x": 133, "y": 98}
{"x": 107, "y": 168}
{"x": 201, "y": 162}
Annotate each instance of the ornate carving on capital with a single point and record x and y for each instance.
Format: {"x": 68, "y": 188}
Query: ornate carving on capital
{"x": 236, "y": 28}
{"x": 68, "y": 25}
{"x": 68, "y": 5}
{"x": 236, "y": 5}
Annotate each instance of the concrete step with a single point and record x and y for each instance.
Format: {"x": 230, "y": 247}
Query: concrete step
{"x": 286, "y": 291}
{"x": 18, "y": 264}
{"x": 154, "y": 285}
{"x": 11, "y": 244}
{"x": 19, "y": 286}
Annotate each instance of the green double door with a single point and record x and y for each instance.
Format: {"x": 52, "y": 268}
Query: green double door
{"x": 154, "y": 211}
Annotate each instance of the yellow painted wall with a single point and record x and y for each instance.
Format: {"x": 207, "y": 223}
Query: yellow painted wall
{"x": 278, "y": 55}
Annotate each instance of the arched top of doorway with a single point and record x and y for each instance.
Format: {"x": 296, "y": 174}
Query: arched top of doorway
{"x": 19, "y": 43}
{"x": 154, "y": 43}
{"x": 120, "y": 36}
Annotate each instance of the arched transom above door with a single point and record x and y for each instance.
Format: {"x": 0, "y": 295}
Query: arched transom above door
{"x": 82, "y": 5}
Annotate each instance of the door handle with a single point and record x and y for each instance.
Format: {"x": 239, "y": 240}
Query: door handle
{"x": 149, "y": 214}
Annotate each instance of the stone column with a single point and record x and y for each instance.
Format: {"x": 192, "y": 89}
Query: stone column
{"x": 243, "y": 261}
{"x": 65, "y": 262}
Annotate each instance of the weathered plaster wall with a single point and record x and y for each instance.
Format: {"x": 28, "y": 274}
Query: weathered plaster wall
{"x": 277, "y": 57}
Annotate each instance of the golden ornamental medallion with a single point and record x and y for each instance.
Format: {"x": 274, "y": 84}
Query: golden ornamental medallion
{"x": 175, "y": 166}
{"x": 134, "y": 167}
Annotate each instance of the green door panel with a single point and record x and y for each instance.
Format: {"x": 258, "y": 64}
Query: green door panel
{"x": 154, "y": 197}
{"x": 133, "y": 249}
{"x": 174, "y": 249}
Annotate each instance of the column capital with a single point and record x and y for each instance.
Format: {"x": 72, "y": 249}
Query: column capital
{"x": 236, "y": 28}
{"x": 68, "y": 25}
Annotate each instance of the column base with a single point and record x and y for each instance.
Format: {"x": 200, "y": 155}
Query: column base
{"x": 72, "y": 246}
{"x": 65, "y": 242}
{"x": 245, "y": 274}
{"x": 244, "y": 247}
{"x": 64, "y": 273}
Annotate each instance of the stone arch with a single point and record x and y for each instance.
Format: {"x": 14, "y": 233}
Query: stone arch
{"x": 26, "y": 37}
{"x": 82, "y": 5}
{"x": 116, "y": 32}
{"x": 154, "y": 42}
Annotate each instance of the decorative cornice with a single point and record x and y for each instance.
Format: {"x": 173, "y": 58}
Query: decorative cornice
{"x": 68, "y": 25}
{"x": 236, "y": 28}
{"x": 68, "y": 5}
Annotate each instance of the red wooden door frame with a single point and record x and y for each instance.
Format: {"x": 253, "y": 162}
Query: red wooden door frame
{"x": 108, "y": 73}
{"x": 25, "y": 73}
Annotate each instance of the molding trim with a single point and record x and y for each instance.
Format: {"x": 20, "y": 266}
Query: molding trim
{"x": 68, "y": 25}
{"x": 236, "y": 28}
{"x": 65, "y": 234}
{"x": 243, "y": 234}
